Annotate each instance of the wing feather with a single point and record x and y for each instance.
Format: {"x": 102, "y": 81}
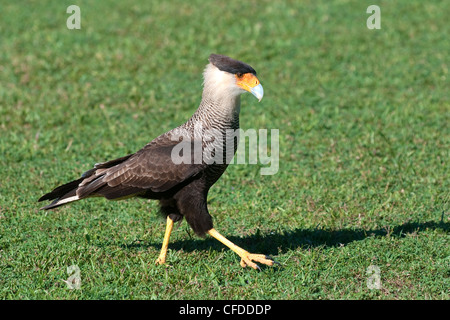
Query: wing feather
{"x": 151, "y": 168}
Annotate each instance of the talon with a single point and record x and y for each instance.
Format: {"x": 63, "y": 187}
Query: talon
{"x": 248, "y": 258}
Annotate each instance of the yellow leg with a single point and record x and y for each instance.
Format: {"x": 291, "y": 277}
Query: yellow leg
{"x": 247, "y": 258}
{"x": 162, "y": 256}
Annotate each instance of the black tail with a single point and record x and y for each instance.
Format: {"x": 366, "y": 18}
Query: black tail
{"x": 60, "y": 193}
{"x": 68, "y": 192}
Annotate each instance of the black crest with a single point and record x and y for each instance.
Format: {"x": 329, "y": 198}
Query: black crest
{"x": 227, "y": 64}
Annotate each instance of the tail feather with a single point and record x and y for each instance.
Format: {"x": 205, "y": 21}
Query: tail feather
{"x": 60, "y": 194}
{"x": 67, "y": 198}
{"x": 61, "y": 190}
{"x": 69, "y": 192}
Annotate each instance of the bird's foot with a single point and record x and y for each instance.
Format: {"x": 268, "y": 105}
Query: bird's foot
{"x": 247, "y": 259}
{"x": 160, "y": 260}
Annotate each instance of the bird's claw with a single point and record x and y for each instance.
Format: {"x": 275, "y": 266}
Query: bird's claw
{"x": 248, "y": 258}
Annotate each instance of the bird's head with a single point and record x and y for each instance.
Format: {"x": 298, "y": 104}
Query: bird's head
{"x": 232, "y": 76}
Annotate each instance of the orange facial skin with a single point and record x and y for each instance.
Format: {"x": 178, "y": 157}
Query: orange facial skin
{"x": 247, "y": 81}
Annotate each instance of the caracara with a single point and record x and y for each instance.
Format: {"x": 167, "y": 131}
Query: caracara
{"x": 179, "y": 167}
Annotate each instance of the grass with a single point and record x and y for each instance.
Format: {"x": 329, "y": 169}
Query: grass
{"x": 364, "y": 139}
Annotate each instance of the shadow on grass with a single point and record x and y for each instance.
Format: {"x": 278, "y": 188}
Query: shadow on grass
{"x": 274, "y": 243}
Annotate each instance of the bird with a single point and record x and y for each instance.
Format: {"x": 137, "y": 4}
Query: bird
{"x": 179, "y": 167}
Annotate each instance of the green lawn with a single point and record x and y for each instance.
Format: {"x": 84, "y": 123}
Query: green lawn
{"x": 364, "y": 148}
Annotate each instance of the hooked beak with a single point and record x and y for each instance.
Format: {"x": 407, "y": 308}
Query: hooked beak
{"x": 258, "y": 92}
{"x": 249, "y": 82}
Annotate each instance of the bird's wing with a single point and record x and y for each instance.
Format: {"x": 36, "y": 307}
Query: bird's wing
{"x": 151, "y": 168}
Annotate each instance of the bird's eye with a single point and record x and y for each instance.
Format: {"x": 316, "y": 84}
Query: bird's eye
{"x": 239, "y": 75}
